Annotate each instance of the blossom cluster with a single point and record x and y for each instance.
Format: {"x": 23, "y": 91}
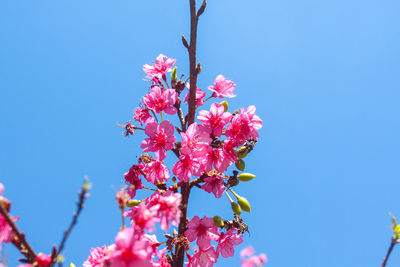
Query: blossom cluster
{"x": 204, "y": 150}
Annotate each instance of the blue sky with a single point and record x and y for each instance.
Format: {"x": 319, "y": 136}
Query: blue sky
{"x": 324, "y": 76}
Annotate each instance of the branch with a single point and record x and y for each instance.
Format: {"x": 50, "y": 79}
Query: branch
{"x": 21, "y": 243}
{"x": 82, "y": 196}
{"x": 194, "y": 71}
{"x": 392, "y": 244}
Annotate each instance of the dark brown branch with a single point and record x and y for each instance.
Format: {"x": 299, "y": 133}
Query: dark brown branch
{"x": 194, "y": 71}
{"x": 392, "y": 244}
{"x": 83, "y": 194}
{"x": 21, "y": 244}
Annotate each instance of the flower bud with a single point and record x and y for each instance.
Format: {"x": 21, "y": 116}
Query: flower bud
{"x": 174, "y": 76}
{"x": 133, "y": 203}
{"x": 240, "y": 165}
{"x": 218, "y": 221}
{"x": 242, "y": 152}
{"x": 244, "y": 204}
{"x": 245, "y": 177}
{"x": 225, "y": 104}
{"x": 236, "y": 208}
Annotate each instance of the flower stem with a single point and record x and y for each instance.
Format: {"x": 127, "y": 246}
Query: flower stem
{"x": 230, "y": 199}
{"x": 155, "y": 117}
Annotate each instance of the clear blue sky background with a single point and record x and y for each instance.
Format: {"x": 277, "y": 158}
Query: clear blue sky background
{"x": 324, "y": 76}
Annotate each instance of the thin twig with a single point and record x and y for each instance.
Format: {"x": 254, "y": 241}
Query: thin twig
{"x": 392, "y": 244}
{"x": 82, "y": 196}
{"x": 22, "y": 245}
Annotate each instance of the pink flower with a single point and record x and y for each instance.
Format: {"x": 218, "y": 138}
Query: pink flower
{"x": 215, "y": 157}
{"x": 252, "y": 260}
{"x": 156, "y": 171}
{"x": 199, "y": 96}
{"x": 215, "y": 119}
{"x": 227, "y": 241}
{"x": 247, "y": 252}
{"x": 43, "y": 260}
{"x": 202, "y": 229}
{"x": 142, "y": 217}
{"x": 162, "y": 260}
{"x": 245, "y": 125}
{"x": 167, "y": 208}
{"x": 131, "y": 249}
{"x": 230, "y": 155}
{"x": 204, "y": 258}
{"x": 222, "y": 87}
{"x": 6, "y": 233}
{"x": 160, "y": 139}
{"x": 157, "y": 70}
{"x": 160, "y": 99}
{"x": 194, "y": 139}
{"x": 214, "y": 185}
{"x": 143, "y": 116}
{"x": 186, "y": 167}
{"x": 132, "y": 177}
{"x": 98, "y": 257}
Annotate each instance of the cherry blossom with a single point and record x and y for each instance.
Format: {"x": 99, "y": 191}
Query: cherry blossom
{"x": 142, "y": 217}
{"x": 227, "y": 241}
{"x": 203, "y": 230}
{"x": 245, "y": 125}
{"x": 186, "y": 167}
{"x": 162, "y": 260}
{"x": 215, "y": 157}
{"x": 162, "y": 65}
{"x": 131, "y": 249}
{"x": 43, "y": 260}
{"x": 252, "y": 261}
{"x": 215, "y": 119}
{"x": 230, "y": 155}
{"x": 6, "y": 233}
{"x": 143, "y": 116}
{"x": 160, "y": 138}
{"x": 247, "y": 252}
{"x": 214, "y": 184}
{"x": 199, "y": 96}
{"x": 167, "y": 206}
{"x": 132, "y": 177}
{"x": 159, "y": 99}
{"x": 204, "y": 258}
{"x": 98, "y": 257}
{"x": 194, "y": 139}
{"x": 156, "y": 171}
{"x": 222, "y": 87}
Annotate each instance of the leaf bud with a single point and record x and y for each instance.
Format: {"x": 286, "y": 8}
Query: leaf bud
{"x": 225, "y": 104}
{"x": 174, "y": 76}
{"x": 242, "y": 152}
{"x": 240, "y": 165}
{"x": 133, "y": 203}
{"x": 244, "y": 204}
{"x": 245, "y": 177}
{"x": 218, "y": 221}
{"x": 236, "y": 208}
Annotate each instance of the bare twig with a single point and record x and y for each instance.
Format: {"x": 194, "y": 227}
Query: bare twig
{"x": 83, "y": 194}
{"x": 392, "y": 244}
{"x": 19, "y": 240}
